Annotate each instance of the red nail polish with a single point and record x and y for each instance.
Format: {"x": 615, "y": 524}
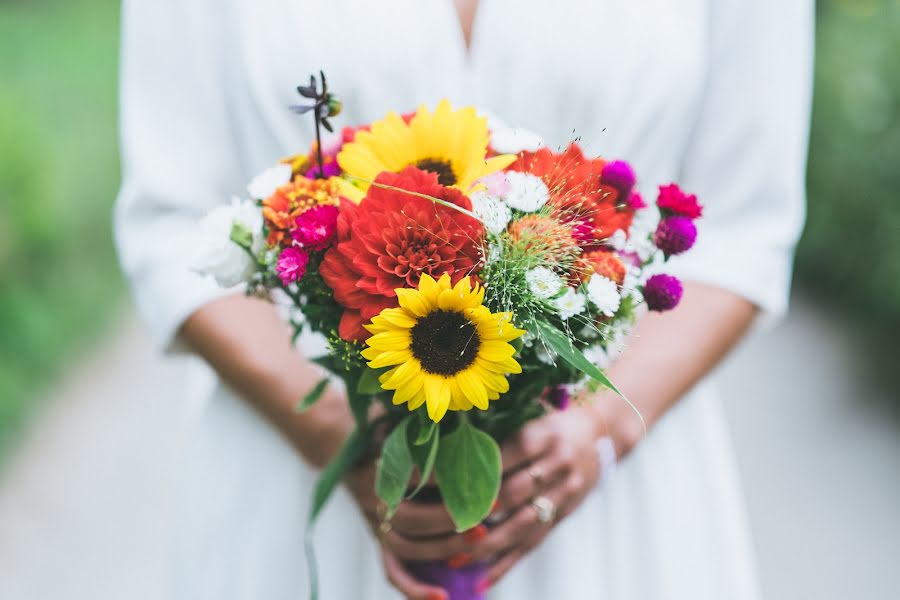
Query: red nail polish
{"x": 477, "y": 533}
{"x": 437, "y": 596}
{"x": 459, "y": 561}
{"x": 482, "y": 586}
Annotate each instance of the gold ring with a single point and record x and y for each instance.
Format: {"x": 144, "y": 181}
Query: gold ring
{"x": 545, "y": 509}
{"x": 537, "y": 475}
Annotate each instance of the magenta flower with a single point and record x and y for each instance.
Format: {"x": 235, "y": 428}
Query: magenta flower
{"x": 559, "y": 397}
{"x": 673, "y": 201}
{"x": 675, "y": 235}
{"x": 635, "y": 202}
{"x": 292, "y": 264}
{"x": 620, "y": 175}
{"x": 316, "y": 228}
{"x": 662, "y": 292}
{"x": 331, "y": 169}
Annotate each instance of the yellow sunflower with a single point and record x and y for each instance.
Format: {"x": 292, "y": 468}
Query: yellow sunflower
{"x": 445, "y": 349}
{"x": 450, "y": 143}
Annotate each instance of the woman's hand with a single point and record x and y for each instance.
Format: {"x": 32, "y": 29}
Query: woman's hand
{"x": 550, "y": 466}
{"x": 417, "y": 531}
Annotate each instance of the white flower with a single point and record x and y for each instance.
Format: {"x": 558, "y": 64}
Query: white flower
{"x": 543, "y": 282}
{"x": 618, "y": 240}
{"x": 526, "y": 192}
{"x": 604, "y": 294}
{"x": 217, "y": 254}
{"x": 491, "y": 210}
{"x": 570, "y": 303}
{"x": 512, "y": 140}
{"x": 264, "y": 185}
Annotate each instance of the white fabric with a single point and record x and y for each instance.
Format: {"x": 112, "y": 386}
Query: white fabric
{"x": 713, "y": 94}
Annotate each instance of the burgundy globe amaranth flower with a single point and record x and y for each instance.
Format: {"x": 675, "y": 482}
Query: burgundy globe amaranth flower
{"x": 673, "y": 201}
{"x": 662, "y": 292}
{"x": 292, "y": 264}
{"x": 316, "y": 227}
{"x": 675, "y": 235}
{"x": 620, "y": 175}
{"x": 559, "y": 397}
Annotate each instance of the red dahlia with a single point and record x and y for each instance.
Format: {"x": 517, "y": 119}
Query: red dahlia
{"x": 576, "y": 190}
{"x": 391, "y": 238}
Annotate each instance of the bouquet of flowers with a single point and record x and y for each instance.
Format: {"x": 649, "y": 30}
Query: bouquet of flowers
{"x": 467, "y": 279}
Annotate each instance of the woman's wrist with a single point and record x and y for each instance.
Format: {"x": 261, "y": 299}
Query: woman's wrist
{"x": 615, "y": 419}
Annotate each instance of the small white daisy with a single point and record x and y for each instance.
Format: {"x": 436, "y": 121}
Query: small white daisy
{"x": 570, "y": 304}
{"x": 604, "y": 294}
{"x": 527, "y": 192}
{"x": 492, "y": 211}
{"x": 264, "y": 185}
{"x": 543, "y": 282}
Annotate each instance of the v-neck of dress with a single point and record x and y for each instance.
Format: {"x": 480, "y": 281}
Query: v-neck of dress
{"x": 467, "y": 44}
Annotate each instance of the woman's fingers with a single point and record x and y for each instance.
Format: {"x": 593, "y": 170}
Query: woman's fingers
{"x": 524, "y": 525}
{"x": 526, "y": 446}
{"x": 520, "y": 487}
{"x": 406, "y": 583}
{"x": 441, "y": 548}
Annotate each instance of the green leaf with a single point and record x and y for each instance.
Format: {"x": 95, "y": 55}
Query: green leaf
{"x": 562, "y": 345}
{"x": 368, "y": 383}
{"x": 425, "y": 457}
{"x": 350, "y": 453}
{"x": 426, "y": 428}
{"x": 334, "y": 472}
{"x": 313, "y": 395}
{"x": 395, "y": 467}
{"x": 241, "y": 236}
{"x": 468, "y": 473}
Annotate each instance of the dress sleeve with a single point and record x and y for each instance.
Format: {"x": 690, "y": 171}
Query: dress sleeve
{"x": 746, "y": 157}
{"x": 178, "y": 155}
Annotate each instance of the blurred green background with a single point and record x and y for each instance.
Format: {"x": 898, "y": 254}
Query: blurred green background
{"x": 59, "y": 172}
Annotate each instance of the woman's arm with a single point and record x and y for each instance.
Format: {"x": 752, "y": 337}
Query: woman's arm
{"x": 556, "y": 456}
{"x": 678, "y": 348}
{"x": 249, "y": 346}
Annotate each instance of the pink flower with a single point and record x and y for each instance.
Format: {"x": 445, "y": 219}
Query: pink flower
{"x": 316, "y": 227}
{"x": 496, "y": 183}
{"x": 635, "y": 201}
{"x": 292, "y": 264}
{"x": 620, "y": 175}
{"x": 673, "y": 201}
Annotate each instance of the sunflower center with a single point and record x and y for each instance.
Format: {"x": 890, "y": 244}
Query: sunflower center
{"x": 445, "y": 342}
{"x": 442, "y": 168}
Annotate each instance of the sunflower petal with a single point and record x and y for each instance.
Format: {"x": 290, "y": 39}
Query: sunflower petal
{"x": 470, "y": 384}
{"x": 437, "y": 396}
{"x": 413, "y": 301}
{"x": 390, "y": 340}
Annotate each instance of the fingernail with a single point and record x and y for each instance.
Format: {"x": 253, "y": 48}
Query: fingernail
{"x": 459, "y": 561}
{"x": 437, "y": 596}
{"x": 482, "y": 586}
{"x": 475, "y": 534}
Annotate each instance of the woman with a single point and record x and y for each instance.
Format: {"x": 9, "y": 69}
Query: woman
{"x": 711, "y": 93}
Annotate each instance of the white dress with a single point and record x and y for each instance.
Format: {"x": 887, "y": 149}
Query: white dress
{"x": 713, "y": 94}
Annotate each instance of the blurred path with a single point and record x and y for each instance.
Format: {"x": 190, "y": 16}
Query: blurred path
{"x": 83, "y": 508}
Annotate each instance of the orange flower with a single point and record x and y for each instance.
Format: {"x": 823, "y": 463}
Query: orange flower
{"x": 601, "y": 262}
{"x": 544, "y": 235}
{"x": 575, "y": 190}
{"x": 282, "y": 208}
